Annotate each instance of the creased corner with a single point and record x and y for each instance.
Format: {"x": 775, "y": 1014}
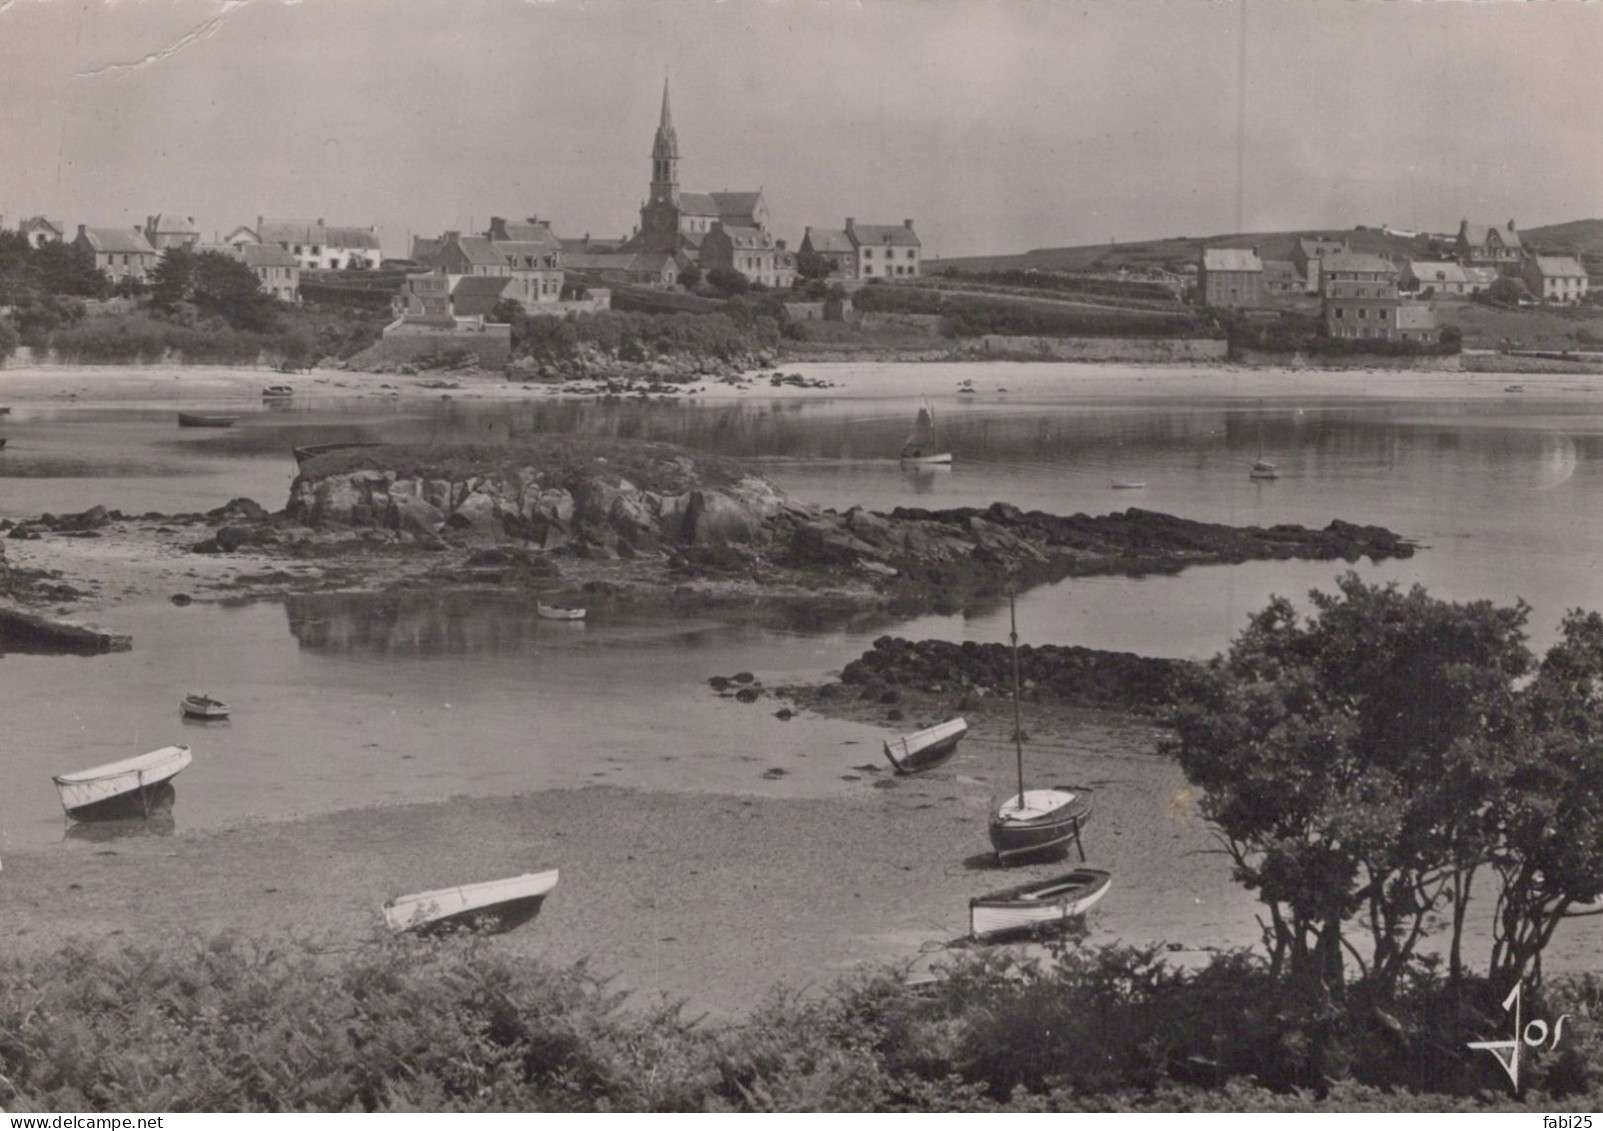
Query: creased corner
{"x": 205, "y": 30}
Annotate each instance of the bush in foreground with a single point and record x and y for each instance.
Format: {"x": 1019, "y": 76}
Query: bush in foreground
{"x": 409, "y": 1025}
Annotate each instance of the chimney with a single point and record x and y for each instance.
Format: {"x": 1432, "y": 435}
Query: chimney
{"x": 1511, "y": 225}
{"x": 451, "y": 237}
{"x": 851, "y": 224}
{"x": 80, "y": 231}
{"x": 498, "y": 228}
{"x": 259, "y": 226}
{"x": 908, "y": 224}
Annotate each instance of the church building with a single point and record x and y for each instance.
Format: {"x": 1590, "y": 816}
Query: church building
{"x": 677, "y": 222}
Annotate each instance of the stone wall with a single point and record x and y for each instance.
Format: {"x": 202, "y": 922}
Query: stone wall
{"x": 412, "y": 341}
{"x": 1450, "y": 364}
{"x": 1104, "y": 349}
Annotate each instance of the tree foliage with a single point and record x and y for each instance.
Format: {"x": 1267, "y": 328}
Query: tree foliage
{"x": 1363, "y": 766}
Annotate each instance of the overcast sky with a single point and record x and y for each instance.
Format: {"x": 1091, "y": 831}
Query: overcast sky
{"x": 997, "y": 125}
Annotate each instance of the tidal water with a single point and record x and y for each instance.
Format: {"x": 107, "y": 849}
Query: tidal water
{"x": 344, "y": 702}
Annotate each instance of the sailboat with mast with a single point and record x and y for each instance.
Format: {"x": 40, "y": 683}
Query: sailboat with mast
{"x": 1262, "y": 468}
{"x": 1035, "y": 821}
{"x": 921, "y": 446}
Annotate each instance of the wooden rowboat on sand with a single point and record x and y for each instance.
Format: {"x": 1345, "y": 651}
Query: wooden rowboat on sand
{"x": 924, "y": 749}
{"x": 133, "y": 787}
{"x": 1038, "y": 905}
{"x": 312, "y": 451}
{"x": 203, "y": 707}
{"x": 205, "y": 420}
{"x": 494, "y": 904}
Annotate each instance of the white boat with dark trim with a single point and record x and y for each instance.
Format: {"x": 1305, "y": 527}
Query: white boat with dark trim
{"x": 133, "y": 787}
{"x": 203, "y": 707}
{"x": 557, "y": 612}
{"x": 495, "y": 904}
{"x": 1035, "y": 821}
{"x": 925, "y": 749}
{"x": 1034, "y": 906}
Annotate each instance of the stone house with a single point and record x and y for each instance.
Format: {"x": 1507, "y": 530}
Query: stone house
{"x": 1359, "y": 293}
{"x": 885, "y": 251}
{"x": 119, "y": 253}
{"x": 834, "y": 245}
{"x": 168, "y": 229}
{"x": 1309, "y": 253}
{"x": 1230, "y": 277}
{"x": 1555, "y": 278}
{"x": 1445, "y": 277}
{"x": 1487, "y": 245}
{"x": 751, "y": 251}
{"x": 278, "y": 272}
{"x": 39, "y": 231}
{"x": 629, "y": 268}
{"x": 317, "y": 246}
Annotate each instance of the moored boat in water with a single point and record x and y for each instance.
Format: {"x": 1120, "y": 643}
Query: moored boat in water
{"x": 557, "y": 612}
{"x": 277, "y": 392}
{"x": 921, "y": 446}
{"x": 1032, "y": 907}
{"x": 496, "y": 904}
{"x": 132, "y": 787}
{"x": 205, "y": 420}
{"x": 925, "y": 749}
{"x": 203, "y": 707}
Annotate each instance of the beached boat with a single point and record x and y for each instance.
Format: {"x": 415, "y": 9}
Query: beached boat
{"x": 277, "y": 392}
{"x": 1032, "y": 907}
{"x": 557, "y": 612}
{"x": 205, "y": 420}
{"x": 133, "y": 787}
{"x": 1035, "y": 821}
{"x": 3, "y": 441}
{"x": 5, "y": 410}
{"x": 312, "y": 451}
{"x": 921, "y": 445}
{"x": 925, "y": 748}
{"x": 1127, "y": 485}
{"x": 500, "y": 904}
{"x": 1513, "y": 388}
{"x": 203, "y": 707}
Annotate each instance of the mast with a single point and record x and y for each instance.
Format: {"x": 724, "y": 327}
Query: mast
{"x": 1018, "y": 724}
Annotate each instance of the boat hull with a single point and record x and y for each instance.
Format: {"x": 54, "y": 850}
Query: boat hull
{"x": 552, "y": 612}
{"x": 204, "y": 420}
{"x": 497, "y": 905}
{"x": 943, "y": 457}
{"x": 1050, "y": 833}
{"x": 204, "y": 709}
{"x": 135, "y": 787}
{"x": 1035, "y": 907}
{"x": 925, "y": 749}
{"x": 312, "y": 451}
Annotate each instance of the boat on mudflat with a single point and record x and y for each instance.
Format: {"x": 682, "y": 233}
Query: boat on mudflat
{"x": 495, "y": 904}
{"x": 205, "y": 420}
{"x": 1040, "y": 821}
{"x": 557, "y": 612}
{"x": 925, "y": 749}
{"x": 132, "y": 787}
{"x": 1032, "y": 907}
{"x": 203, "y": 707}
{"x": 277, "y": 392}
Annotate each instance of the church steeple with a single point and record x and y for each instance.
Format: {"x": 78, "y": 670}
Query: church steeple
{"x": 665, "y": 156}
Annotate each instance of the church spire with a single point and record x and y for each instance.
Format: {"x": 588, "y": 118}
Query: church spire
{"x": 665, "y": 156}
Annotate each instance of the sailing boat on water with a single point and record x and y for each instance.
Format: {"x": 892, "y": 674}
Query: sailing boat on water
{"x": 1262, "y": 468}
{"x": 921, "y": 445}
{"x": 1035, "y": 821}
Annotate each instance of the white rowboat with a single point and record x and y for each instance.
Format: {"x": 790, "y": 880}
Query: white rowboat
{"x": 557, "y": 612}
{"x": 925, "y": 748}
{"x": 1032, "y": 906}
{"x": 129, "y": 788}
{"x": 503, "y": 903}
{"x": 203, "y": 707}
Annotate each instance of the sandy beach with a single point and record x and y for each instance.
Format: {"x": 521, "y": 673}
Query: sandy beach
{"x": 714, "y": 899}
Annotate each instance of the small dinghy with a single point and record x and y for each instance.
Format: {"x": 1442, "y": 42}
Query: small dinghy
{"x": 925, "y": 749}
{"x": 133, "y": 787}
{"x": 3, "y": 441}
{"x": 277, "y": 392}
{"x": 312, "y": 451}
{"x": 205, "y": 420}
{"x": 1128, "y": 485}
{"x": 203, "y": 707}
{"x": 1031, "y": 907}
{"x": 496, "y": 904}
{"x": 1263, "y": 469}
{"x": 557, "y": 612}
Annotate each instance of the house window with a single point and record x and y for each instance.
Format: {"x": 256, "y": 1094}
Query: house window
{"x": 1340, "y": 313}
{"x": 1363, "y": 315}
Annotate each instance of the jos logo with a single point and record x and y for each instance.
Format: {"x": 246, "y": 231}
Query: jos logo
{"x": 1533, "y": 1034}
